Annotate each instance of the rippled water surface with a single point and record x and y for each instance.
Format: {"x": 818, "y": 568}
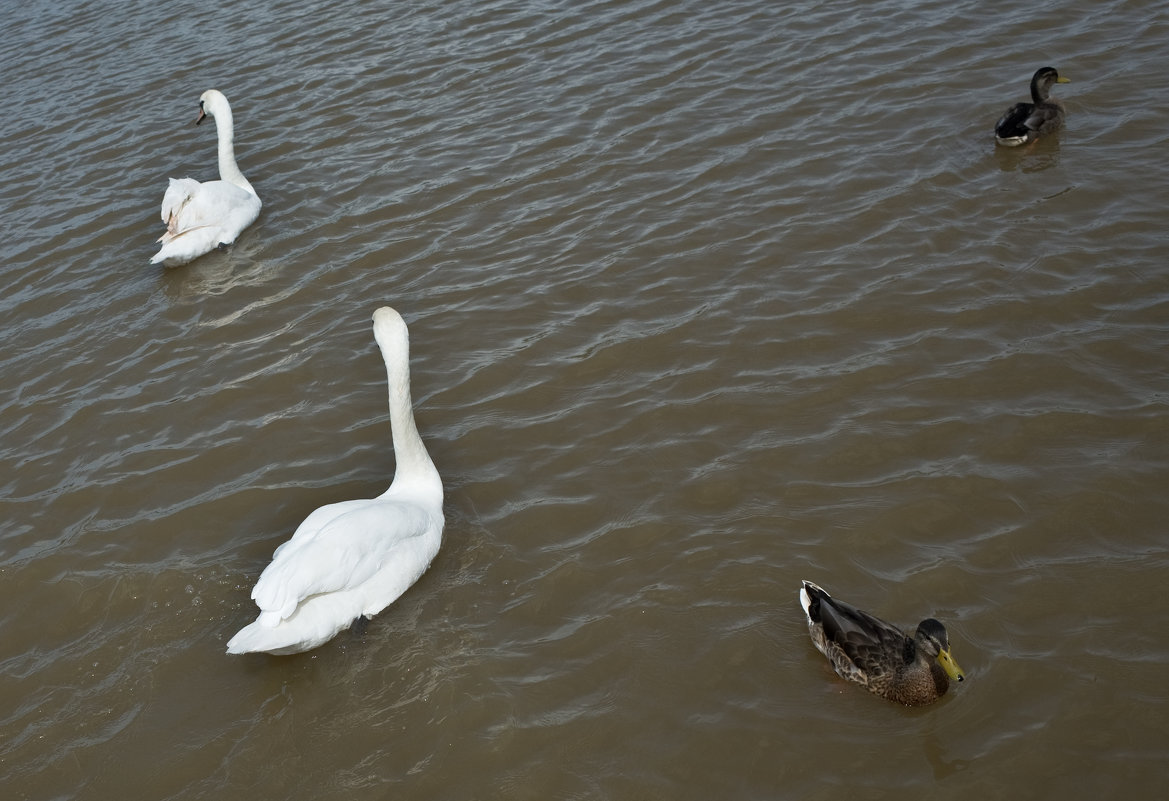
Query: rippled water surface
{"x": 705, "y": 298}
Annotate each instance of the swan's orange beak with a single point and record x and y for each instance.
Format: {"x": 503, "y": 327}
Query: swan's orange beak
{"x": 202, "y": 114}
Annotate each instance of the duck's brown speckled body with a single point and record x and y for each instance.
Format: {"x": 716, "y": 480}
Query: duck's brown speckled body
{"x": 878, "y": 655}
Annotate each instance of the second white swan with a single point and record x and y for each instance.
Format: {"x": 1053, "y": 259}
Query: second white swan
{"x": 200, "y": 217}
{"x": 354, "y": 558}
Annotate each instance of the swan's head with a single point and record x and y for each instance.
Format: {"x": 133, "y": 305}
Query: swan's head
{"x": 211, "y": 102}
{"x": 389, "y": 329}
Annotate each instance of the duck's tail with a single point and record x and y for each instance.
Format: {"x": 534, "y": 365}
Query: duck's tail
{"x": 810, "y": 595}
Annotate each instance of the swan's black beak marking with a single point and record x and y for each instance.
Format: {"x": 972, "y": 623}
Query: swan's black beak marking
{"x": 202, "y": 114}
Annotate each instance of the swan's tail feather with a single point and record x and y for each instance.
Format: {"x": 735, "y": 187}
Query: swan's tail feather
{"x": 315, "y": 623}
{"x": 255, "y": 638}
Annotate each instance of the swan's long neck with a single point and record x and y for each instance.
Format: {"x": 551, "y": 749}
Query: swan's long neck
{"x": 228, "y": 170}
{"x": 414, "y": 469}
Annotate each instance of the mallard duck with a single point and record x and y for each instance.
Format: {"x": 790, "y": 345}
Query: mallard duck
{"x": 1026, "y": 122}
{"x": 878, "y": 655}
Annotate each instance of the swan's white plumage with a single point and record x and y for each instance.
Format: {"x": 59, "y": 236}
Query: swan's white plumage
{"x": 354, "y": 558}
{"x": 200, "y": 217}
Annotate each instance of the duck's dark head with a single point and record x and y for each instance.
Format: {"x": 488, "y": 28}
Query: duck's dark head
{"x": 1043, "y": 80}
{"x": 932, "y": 639}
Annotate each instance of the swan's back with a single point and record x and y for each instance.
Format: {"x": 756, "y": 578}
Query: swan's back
{"x": 346, "y": 552}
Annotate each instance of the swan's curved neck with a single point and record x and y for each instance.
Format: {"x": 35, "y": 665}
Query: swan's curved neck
{"x": 413, "y": 465}
{"x": 228, "y": 170}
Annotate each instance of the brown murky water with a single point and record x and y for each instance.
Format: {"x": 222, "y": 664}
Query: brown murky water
{"x": 705, "y": 298}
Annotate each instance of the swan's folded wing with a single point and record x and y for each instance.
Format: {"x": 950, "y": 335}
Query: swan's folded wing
{"x": 317, "y": 521}
{"x": 201, "y": 217}
{"x": 345, "y": 553}
{"x": 189, "y": 205}
{"x": 178, "y": 194}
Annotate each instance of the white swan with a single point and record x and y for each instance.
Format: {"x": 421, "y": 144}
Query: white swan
{"x": 200, "y": 217}
{"x": 354, "y": 558}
